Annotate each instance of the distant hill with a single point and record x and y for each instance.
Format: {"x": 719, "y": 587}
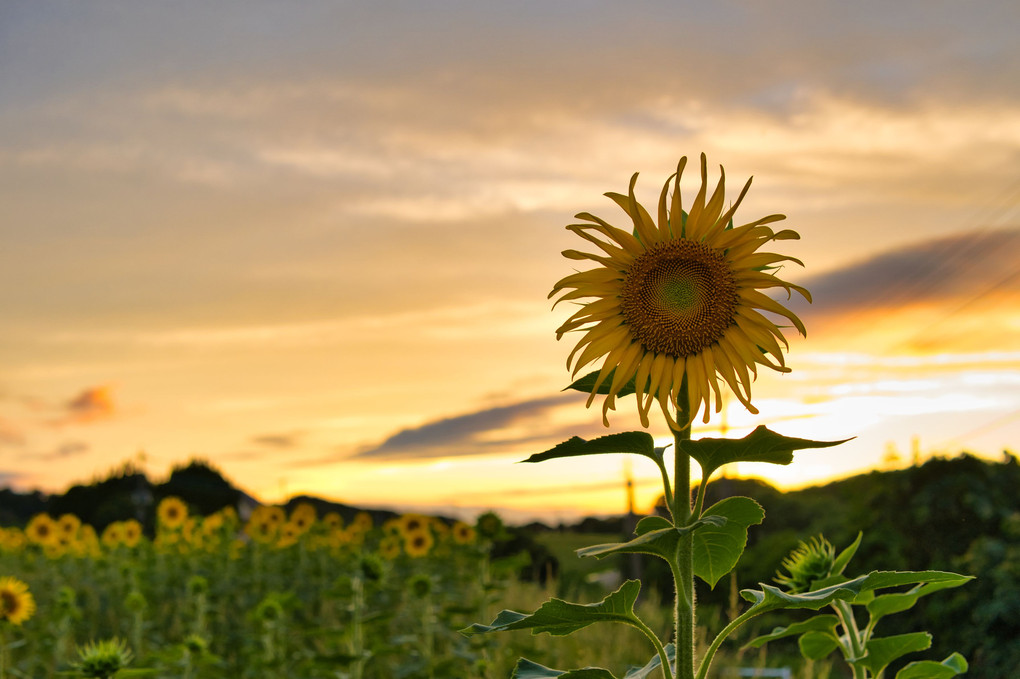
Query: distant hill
{"x": 127, "y": 493}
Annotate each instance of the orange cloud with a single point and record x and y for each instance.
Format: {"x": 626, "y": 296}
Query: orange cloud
{"x": 91, "y": 405}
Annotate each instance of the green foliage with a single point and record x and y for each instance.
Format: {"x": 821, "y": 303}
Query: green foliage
{"x": 761, "y": 445}
{"x": 718, "y": 546}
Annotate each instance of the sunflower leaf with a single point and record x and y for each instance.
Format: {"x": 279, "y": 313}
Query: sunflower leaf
{"x": 718, "y": 546}
{"x": 825, "y": 623}
{"x": 559, "y": 618}
{"x": 929, "y": 669}
{"x": 761, "y": 445}
{"x": 880, "y": 652}
{"x": 526, "y": 669}
{"x": 587, "y": 383}
{"x": 817, "y": 645}
{"x": 659, "y": 541}
{"x": 638, "y": 442}
{"x": 650, "y": 668}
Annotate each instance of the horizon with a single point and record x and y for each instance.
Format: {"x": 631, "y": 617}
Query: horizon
{"x": 314, "y": 247}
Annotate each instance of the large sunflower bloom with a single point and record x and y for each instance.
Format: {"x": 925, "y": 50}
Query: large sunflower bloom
{"x": 677, "y": 298}
{"x": 16, "y": 603}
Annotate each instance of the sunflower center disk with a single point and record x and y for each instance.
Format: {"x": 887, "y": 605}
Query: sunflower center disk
{"x": 679, "y": 297}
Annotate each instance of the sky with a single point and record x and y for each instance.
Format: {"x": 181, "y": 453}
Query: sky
{"x": 311, "y": 243}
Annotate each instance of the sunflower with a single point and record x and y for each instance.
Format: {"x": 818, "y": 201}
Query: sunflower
{"x": 389, "y": 547}
{"x": 172, "y": 512}
{"x": 413, "y": 523}
{"x": 418, "y": 543}
{"x": 303, "y": 516}
{"x": 67, "y": 527}
{"x": 42, "y": 530}
{"x": 131, "y": 533}
{"x": 16, "y": 603}
{"x": 463, "y": 534}
{"x": 677, "y": 298}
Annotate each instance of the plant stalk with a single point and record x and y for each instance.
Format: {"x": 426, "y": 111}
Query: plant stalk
{"x": 683, "y": 571}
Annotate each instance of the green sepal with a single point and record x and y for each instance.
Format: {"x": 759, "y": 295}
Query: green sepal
{"x": 587, "y": 383}
{"x": 819, "y": 623}
{"x": 526, "y": 669}
{"x": 880, "y": 652}
{"x": 638, "y": 442}
{"x": 761, "y": 445}
{"x": 717, "y": 547}
{"x": 929, "y": 669}
{"x": 844, "y": 557}
{"x": 817, "y": 645}
{"x": 559, "y": 618}
{"x": 652, "y": 539}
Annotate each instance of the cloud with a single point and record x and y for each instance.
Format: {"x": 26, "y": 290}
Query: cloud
{"x": 487, "y": 431}
{"x": 94, "y": 404}
{"x": 961, "y": 268}
{"x": 279, "y": 441}
{"x": 10, "y": 436}
{"x": 68, "y": 449}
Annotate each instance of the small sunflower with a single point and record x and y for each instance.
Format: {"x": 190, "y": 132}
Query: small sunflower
{"x": 413, "y": 523}
{"x": 810, "y": 561}
{"x": 42, "y": 530}
{"x": 172, "y": 512}
{"x": 303, "y": 516}
{"x": 463, "y": 534}
{"x": 333, "y": 520}
{"x": 67, "y": 527}
{"x": 419, "y": 543}
{"x": 131, "y": 533}
{"x": 389, "y": 547}
{"x": 677, "y": 298}
{"x": 16, "y": 603}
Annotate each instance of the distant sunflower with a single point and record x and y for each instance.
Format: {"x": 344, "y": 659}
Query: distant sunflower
{"x": 463, "y": 534}
{"x": 418, "y": 543}
{"x": 677, "y": 298}
{"x": 16, "y": 603}
{"x": 131, "y": 533}
{"x": 172, "y": 512}
{"x": 42, "y": 530}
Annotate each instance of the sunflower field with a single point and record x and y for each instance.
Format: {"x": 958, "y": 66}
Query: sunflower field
{"x": 276, "y": 595}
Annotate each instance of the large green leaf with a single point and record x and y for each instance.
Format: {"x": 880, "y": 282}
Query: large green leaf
{"x": 771, "y": 598}
{"x": 638, "y": 442}
{"x": 880, "y": 652}
{"x": 587, "y": 382}
{"x": 559, "y": 618}
{"x": 761, "y": 445}
{"x": 817, "y": 645}
{"x": 818, "y": 623}
{"x": 887, "y": 604}
{"x": 660, "y": 541}
{"x": 718, "y": 547}
{"x": 929, "y": 669}
{"x": 527, "y": 669}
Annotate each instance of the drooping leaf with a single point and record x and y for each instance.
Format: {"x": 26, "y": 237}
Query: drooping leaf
{"x": 559, "y": 618}
{"x": 586, "y": 383}
{"x": 818, "y": 623}
{"x": 638, "y": 442}
{"x": 817, "y": 645}
{"x": 770, "y": 598}
{"x": 651, "y": 668}
{"x": 761, "y": 445}
{"x": 887, "y": 604}
{"x": 659, "y": 542}
{"x": 929, "y": 669}
{"x": 885, "y": 579}
{"x": 526, "y": 669}
{"x": 882, "y": 651}
{"x": 718, "y": 547}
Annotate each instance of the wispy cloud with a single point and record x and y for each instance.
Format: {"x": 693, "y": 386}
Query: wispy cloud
{"x": 282, "y": 441}
{"x": 497, "y": 429}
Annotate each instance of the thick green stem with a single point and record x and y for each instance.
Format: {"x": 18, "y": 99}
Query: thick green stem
{"x": 846, "y": 616}
{"x": 683, "y": 569}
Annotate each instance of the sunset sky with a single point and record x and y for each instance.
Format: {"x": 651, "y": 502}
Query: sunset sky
{"x": 311, "y": 242}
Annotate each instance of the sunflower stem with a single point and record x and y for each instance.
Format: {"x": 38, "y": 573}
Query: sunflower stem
{"x": 683, "y": 569}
